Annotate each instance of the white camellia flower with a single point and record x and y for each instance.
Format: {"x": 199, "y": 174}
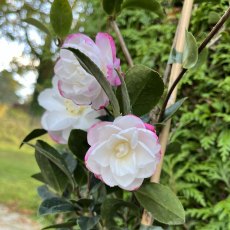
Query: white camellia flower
{"x": 78, "y": 85}
{"x": 62, "y": 115}
{"x": 123, "y": 152}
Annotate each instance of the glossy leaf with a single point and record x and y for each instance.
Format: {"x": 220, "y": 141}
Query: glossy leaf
{"x": 202, "y": 58}
{"x": 112, "y": 7}
{"x": 171, "y": 110}
{"x": 151, "y": 5}
{"x": 190, "y": 54}
{"x": 93, "y": 69}
{"x": 44, "y": 192}
{"x": 162, "y": 203}
{"x": 88, "y": 223}
{"x": 62, "y": 225}
{"x": 51, "y": 174}
{"x": 71, "y": 162}
{"x": 38, "y": 177}
{"x": 145, "y": 227}
{"x": 145, "y": 88}
{"x": 55, "y": 205}
{"x": 61, "y": 17}
{"x": 110, "y": 207}
{"x": 78, "y": 143}
{"x": 80, "y": 174}
{"x": 55, "y": 157}
{"x": 32, "y": 135}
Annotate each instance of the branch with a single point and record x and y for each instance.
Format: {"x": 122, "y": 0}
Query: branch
{"x": 122, "y": 42}
{"x": 213, "y": 32}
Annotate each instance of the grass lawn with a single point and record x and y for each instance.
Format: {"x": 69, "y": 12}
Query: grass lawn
{"x": 17, "y": 188}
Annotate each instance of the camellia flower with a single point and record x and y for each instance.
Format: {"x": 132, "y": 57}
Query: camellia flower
{"x": 62, "y": 115}
{"x": 78, "y": 85}
{"x": 123, "y": 152}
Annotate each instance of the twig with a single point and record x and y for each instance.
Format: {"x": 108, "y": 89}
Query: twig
{"x": 121, "y": 41}
{"x": 213, "y": 32}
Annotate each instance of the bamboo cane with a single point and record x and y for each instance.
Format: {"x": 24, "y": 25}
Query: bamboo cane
{"x": 147, "y": 218}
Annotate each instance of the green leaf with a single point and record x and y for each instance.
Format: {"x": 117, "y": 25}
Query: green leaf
{"x": 202, "y": 58}
{"x": 151, "y": 5}
{"x": 213, "y": 17}
{"x": 145, "y": 88}
{"x": 87, "y": 223}
{"x": 93, "y": 69}
{"x": 51, "y": 174}
{"x": 62, "y": 225}
{"x": 54, "y": 156}
{"x": 55, "y": 205}
{"x": 44, "y": 192}
{"x": 162, "y": 203}
{"x": 112, "y": 7}
{"x": 78, "y": 143}
{"x": 38, "y": 24}
{"x": 71, "y": 162}
{"x": 38, "y": 177}
{"x": 145, "y": 227}
{"x": 190, "y": 54}
{"x": 171, "y": 110}
{"x": 80, "y": 174}
{"x": 61, "y": 17}
{"x": 34, "y": 134}
{"x": 110, "y": 208}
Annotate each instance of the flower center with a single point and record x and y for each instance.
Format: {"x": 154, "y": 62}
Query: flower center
{"x": 122, "y": 150}
{"x": 73, "y": 109}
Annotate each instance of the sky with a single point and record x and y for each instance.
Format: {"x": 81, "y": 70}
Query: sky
{"x": 8, "y": 51}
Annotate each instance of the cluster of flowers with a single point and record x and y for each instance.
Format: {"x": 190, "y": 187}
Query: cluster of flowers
{"x": 122, "y": 152}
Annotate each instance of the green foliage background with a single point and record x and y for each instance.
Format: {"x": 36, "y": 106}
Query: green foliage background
{"x": 197, "y": 166}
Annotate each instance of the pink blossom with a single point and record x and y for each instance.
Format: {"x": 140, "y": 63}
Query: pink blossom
{"x": 78, "y": 85}
{"x": 122, "y": 152}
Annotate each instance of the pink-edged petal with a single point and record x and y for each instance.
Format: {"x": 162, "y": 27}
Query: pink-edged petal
{"x": 90, "y": 163}
{"x": 106, "y": 44}
{"x": 129, "y": 121}
{"x": 107, "y": 176}
{"x": 101, "y": 101}
{"x": 150, "y": 139}
{"x": 57, "y": 137}
{"x": 93, "y": 136}
{"x": 75, "y": 39}
{"x": 134, "y": 185}
{"x": 150, "y": 127}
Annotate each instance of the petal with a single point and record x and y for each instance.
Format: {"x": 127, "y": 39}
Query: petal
{"x": 53, "y": 121}
{"x": 90, "y": 164}
{"x": 75, "y": 39}
{"x": 123, "y": 166}
{"x": 57, "y": 137}
{"x": 101, "y": 101}
{"x": 107, "y": 176}
{"x": 101, "y": 131}
{"x": 134, "y": 185}
{"x": 106, "y": 45}
{"x": 50, "y": 100}
{"x": 143, "y": 155}
{"x": 150, "y": 127}
{"x": 100, "y": 154}
{"x": 124, "y": 181}
{"x": 149, "y": 139}
{"x": 147, "y": 171}
{"x": 129, "y": 121}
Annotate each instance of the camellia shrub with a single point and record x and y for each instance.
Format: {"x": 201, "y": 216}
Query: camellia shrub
{"x": 108, "y": 122}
